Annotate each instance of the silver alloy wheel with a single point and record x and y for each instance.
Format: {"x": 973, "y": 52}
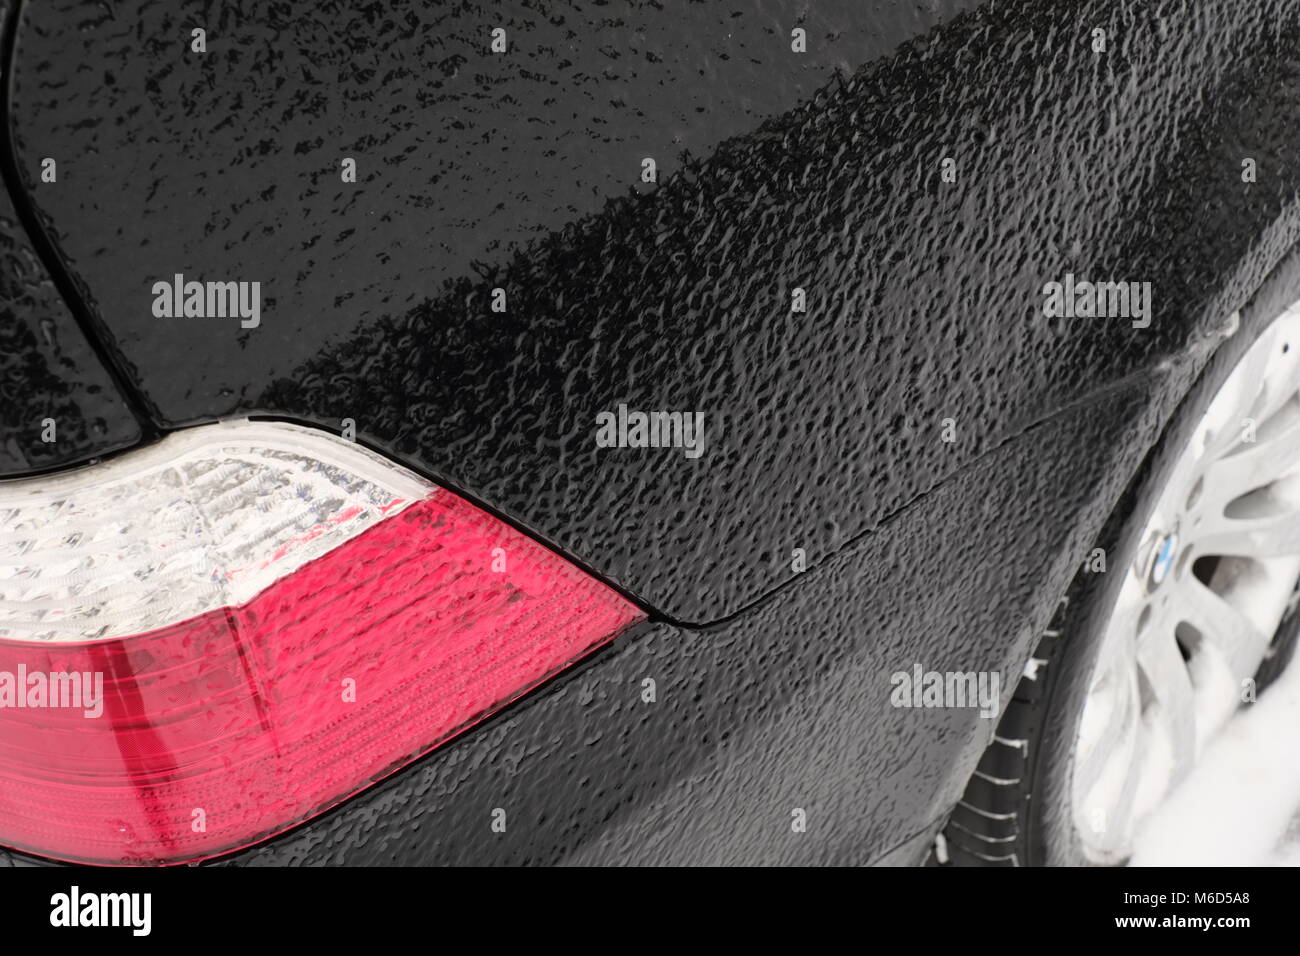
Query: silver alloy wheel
{"x": 1216, "y": 569}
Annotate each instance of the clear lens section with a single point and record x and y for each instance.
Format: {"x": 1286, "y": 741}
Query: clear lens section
{"x": 203, "y": 519}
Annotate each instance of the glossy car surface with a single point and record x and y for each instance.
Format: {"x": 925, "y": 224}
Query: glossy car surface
{"x": 776, "y": 170}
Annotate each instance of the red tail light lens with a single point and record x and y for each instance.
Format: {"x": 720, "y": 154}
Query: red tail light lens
{"x": 359, "y": 650}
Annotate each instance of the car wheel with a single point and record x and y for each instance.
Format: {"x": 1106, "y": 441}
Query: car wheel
{"x": 1143, "y": 664}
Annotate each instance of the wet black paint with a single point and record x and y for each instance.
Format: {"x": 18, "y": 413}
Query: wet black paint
{"x": 923, "y": 304}
{"x": 52, "y": 383}
{"x": 924, "y": 296}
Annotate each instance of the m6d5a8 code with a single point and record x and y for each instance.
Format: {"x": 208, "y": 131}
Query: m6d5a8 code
{"x": 1174, "y": 898}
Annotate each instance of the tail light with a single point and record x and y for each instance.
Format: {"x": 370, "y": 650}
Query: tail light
{"x": 208, "y": 641}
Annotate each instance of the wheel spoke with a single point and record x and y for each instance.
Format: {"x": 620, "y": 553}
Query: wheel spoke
{"x": 1225, "y": 629}
{"x": 1167, "y": 676}
{"x": 1271, "y": 536}
{"x": 1237, "y": 400}
{"x": 1255, "y": 465}
{"x": 1116, "y": 728}
{"x": 1273, "y": 401}
{"x": 1120, "y": 824}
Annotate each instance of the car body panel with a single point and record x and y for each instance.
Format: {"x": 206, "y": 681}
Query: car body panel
{"x": 924, "y": 305}
{"x": 58, "y": 404}
{"x": 784, "y": 708}
{"x": 924, "y": 297}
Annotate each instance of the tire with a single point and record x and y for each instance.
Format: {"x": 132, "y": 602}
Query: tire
{"x": 1018, "y": 808}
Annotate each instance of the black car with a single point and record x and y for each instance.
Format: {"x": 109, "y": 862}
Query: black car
{"x": 659, "y": 433}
